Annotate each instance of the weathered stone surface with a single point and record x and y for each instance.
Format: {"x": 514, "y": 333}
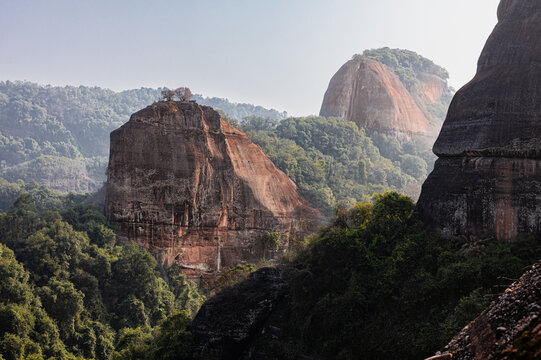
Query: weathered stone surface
{"x": 484, "y": 196}
{"x": 494, "y": 333}
{"x": 497, "y": 113}
{"x": 486, "y": 183}
{"x": 227, "y": 324}
{"x": 366, "y": 92}
{"x": 196, "y": 191}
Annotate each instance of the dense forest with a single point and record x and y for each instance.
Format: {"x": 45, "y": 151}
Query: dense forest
{"x": 69, "y": 290}
{"x": 59, "y": 136}
{"x": 334, "y": 162}
{"x": 374, "y": 282}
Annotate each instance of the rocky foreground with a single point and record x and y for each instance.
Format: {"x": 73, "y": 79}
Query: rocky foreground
{"x": 509, "y": 329}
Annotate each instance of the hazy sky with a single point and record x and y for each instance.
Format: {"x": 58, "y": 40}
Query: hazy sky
{"x": 275, "y": 53}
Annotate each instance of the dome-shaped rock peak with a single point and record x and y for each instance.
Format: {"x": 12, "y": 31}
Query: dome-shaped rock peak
{"x": 372, "y": 95}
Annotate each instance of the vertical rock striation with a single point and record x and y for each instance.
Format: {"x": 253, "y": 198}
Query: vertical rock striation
{"x": 369, "y": 93}
{"x": 487, "y": 180}
{"x": 196, "y": 191}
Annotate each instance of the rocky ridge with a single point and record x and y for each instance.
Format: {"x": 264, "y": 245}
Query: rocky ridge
{"x": 485, "y": 183}
{"x": 197, "y": 192}
{"x": 505, "y": 329}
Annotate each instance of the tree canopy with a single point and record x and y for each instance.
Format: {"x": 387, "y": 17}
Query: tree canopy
{"x": 67, "y": 288}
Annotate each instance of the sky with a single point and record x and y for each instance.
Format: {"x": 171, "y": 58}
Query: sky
{"x": 276, "y": 53}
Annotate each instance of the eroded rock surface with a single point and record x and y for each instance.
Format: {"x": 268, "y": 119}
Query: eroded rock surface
{"x": 494, "y": 334}
{"x": 228, "y": 323}
{"x": 368, "y": 93}
{"x": 198, "y": 192}
{"x": 486, "y": 182}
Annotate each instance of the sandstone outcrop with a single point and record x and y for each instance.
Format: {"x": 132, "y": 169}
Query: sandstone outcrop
{"x": 370, "y": 94}
{"x": 486, "y": 180}
{"x": 227, "y": 324}
{"x": 196, "y": 191}
{"x": 508, "y": 329}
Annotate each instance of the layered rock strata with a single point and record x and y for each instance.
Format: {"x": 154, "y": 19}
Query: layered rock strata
{"x": 196, "y": 191}
{"x": 486, "y": 182}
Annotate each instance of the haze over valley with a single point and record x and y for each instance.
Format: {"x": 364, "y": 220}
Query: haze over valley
{"x": 259, "y": 181}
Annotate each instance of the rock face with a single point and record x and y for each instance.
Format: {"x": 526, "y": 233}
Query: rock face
{"x": 486, "y": 181}
{"x": 368, "y": 93}
{"x": 198, "y": 192}
{"x": 228, "y": 323}
{"x": 494, "y": 334}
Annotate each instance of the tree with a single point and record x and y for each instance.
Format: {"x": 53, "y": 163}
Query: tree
{"x": 167, "y": 95}
{"x": 183, "y": 93}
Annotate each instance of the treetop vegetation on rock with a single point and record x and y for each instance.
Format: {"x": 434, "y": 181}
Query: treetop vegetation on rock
{"x": 406, "y": 64}
{"x": 59, "y": 136}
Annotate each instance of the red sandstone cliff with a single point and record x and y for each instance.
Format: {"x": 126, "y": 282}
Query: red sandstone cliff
{"x": 196, "y": 191}
{"x": 486, "y": 181}
{"x": 368, "y": 93}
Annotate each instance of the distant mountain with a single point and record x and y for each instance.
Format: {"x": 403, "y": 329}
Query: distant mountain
{"x": 391, "y": 91}
{"x": 240, "y": 111}
{"x": 59, "y": 136}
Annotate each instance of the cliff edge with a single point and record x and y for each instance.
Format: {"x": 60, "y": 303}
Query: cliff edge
{"x": 196, "y": 191}
{"x": 485, "y": 183}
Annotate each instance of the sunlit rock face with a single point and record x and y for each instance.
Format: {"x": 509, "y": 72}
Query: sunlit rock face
{"x": 368, "y": 93}
{"x": 196, "y": 191}
{"x": 487, "y": 181}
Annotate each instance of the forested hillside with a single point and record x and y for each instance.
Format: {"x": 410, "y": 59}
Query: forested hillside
{"x": 59, "y": 136}
{"x": 334, "y": 162}
{"x": 374, "y": 284}
{"x": 69, "y": 290}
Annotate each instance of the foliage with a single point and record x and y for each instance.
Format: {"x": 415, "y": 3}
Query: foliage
{"x": 405, "y": 64}
{"x": 267, "y": 243}
{"x": 173, "y": 341}
{"x": 376, "y": 285}
{"x": 25, "y": 328}
{"x": 187, "y": 295}
{"x": 73, "y": 287}
{"x": 239, "y": 110}
{"x": 59, "y": 136}
{"x": 183, "y": 93}
{"x": 233, "y": 276}
{"x": 334, "y": 161}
